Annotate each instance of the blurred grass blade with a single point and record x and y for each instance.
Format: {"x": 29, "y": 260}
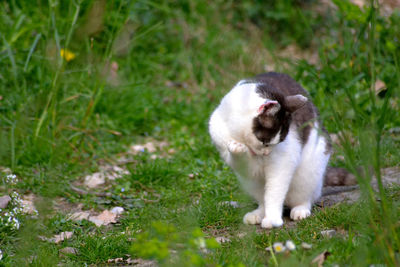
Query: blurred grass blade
{"x": 33, "y": 46}
{"x": 11, "y": 57}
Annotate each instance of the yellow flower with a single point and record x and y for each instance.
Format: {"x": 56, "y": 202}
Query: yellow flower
{"x": 67, "y": 55}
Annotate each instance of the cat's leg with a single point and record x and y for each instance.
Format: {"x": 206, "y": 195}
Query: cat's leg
{"x": 307, "y": 181}
{"x": 257, "y": 192}
{"x": 279, "y": 170}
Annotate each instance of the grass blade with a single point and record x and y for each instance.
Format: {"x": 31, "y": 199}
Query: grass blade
{"x": 33, "y": 46}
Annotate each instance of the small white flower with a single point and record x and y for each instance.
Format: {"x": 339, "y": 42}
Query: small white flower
{"x": 16, "y": 223}
{"x": 1, "y": 254}
{"x": 290, "y": 245}
{"x": 11, "y": 179}
{"x": 278, "y": 247}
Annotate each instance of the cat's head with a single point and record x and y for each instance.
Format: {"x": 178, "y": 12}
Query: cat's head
{"x": 271, "y": 125}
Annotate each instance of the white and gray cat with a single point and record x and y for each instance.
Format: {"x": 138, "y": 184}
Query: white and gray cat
{"x": 269, "y": 132}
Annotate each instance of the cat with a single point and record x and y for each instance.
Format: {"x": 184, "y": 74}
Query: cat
{"x": 269, "y": 132}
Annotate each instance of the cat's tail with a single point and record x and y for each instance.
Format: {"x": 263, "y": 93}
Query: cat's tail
{"x": 338, "y": 177}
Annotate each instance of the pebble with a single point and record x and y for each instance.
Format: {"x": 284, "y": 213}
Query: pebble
{"x": 117, "y": 210}
{"x": 4, "y": 201}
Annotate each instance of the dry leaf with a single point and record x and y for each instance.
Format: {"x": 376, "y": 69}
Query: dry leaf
{"x": 62, "y": 236}
{"x": 58, "y": 238}
{"x": 379, "y": 86}
{"x": 104, "y": 218}
{"x": 68, "y": 250}
{"x": 94, "y": 179}
{"x": 328, "y": 233}
{"x": 80, "y": 215}
{"x": 319, "y": 260}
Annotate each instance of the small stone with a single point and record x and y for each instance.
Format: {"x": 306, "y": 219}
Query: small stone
{"x": 68, "y": 250}
{"x": 305, "y": 245}
{"x": 117, "y": 210}
{"x": 163, "y": 144}
{"x": 142, "y": 263}
{"x": 28, "y": 206}
{"x": 62, "y": 236}
{"x": 94, "y": 179}
{"x": 104, "y": 218}
{"x": 150, "y": 147}
{"x": 171, "y": 151}
{"x": 4, "y": 200}
{"x": 290, "y": 245}
{"x": 137, "y": 149}
{"x": 328, "y": 233}
{"x": 221, "y": 239}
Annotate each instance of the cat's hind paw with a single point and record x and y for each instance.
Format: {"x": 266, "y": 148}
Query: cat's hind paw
{"x": 236, "y": 147}
{"x": 299, "y": 213}
{"x": 253, "y": 217}
{"x": 271, "y": 222}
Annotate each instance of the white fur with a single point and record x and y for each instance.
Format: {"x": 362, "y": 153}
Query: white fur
{"x": 285, "y": 173}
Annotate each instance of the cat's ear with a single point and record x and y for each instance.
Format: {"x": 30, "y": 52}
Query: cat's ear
{"x": 270, "y": 108}
{"x": 294, "y": 102}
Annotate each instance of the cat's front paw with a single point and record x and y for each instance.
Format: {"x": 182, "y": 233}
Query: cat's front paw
{"x": 270, "y": 222}
{"x": 253, "y": 217}
{"x": 299, "y": 213}
{"x": 236, "y": 147}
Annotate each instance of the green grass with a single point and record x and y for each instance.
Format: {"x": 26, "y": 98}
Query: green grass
{"x": 60, "y": 120}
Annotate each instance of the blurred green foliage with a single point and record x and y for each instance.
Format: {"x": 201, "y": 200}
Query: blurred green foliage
{"x": 143, "y": 70}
